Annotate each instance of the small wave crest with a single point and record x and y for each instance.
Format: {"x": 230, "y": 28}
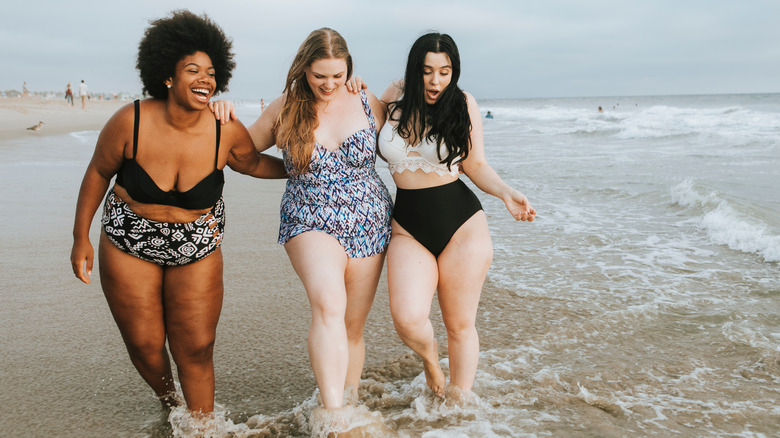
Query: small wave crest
{"x": 88, "y": 137}
{"x": 725, "y": 224}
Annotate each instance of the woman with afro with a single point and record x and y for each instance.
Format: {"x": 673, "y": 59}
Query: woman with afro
{"x": 159, "y": 253}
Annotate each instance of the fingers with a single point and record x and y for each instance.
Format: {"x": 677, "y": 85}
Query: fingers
{"x": 355, "y": 84}
{"x": 219, "y": 113}
{"x": 83, "y": 274}
{"x": 521, "y": 210}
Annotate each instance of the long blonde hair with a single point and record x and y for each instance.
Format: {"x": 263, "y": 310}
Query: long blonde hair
{"x": 298, "y": 119}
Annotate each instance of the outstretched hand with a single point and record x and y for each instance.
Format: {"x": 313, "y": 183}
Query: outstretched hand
{"x": 355, "y": 84}
{"x": 223, "y": 110}
{"x": 519, "y": 207}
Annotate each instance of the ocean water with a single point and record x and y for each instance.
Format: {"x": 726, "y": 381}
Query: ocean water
{"x": 643, "y": 301}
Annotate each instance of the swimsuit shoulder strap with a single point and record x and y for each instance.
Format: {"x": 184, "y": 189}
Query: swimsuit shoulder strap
{"x": 367, "y": 109}
{"x": 216, "y": 157}
{"x": 137, "y": 105}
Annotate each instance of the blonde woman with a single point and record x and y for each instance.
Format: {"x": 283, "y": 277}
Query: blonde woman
{"x": 335, "y": 211}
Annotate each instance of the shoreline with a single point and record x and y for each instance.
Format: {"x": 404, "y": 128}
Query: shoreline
{"x": 58, "y": 117}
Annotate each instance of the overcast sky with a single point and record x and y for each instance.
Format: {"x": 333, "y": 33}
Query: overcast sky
{"x": 509, "y": 48}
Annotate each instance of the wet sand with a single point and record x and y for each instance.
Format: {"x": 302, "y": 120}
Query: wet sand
{"x": 261, "y": 359}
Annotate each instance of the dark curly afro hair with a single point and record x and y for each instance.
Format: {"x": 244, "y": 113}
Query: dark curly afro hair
{"x": 168, "y": 40}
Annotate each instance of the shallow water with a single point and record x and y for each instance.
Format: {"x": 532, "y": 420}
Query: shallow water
{"x": 643, "y": 301}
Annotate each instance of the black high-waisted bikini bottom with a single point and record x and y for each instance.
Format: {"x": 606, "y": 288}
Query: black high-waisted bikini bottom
{"x": 432, "y": 215}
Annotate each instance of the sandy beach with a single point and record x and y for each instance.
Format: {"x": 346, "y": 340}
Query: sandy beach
{"x": 58, "y": 117}
{"x": 643, "y": 301}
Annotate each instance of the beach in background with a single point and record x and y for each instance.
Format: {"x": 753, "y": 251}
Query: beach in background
{"x": 643, "y": 301}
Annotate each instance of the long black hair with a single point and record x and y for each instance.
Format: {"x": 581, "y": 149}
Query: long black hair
{"x": 446, "y": 121}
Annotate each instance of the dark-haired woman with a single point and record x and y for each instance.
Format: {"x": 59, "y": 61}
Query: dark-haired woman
{"x": 440, "y": 238}
{"x": 160, "y": 257}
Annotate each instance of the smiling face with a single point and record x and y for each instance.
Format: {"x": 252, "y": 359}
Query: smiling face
{"x": 326, "y": 77}
{"x": 437, "y": 75}
{"x": 194, "y": 82}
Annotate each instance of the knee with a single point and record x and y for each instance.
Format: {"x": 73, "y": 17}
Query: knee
{"x": 460, "y": 328}
{"x": 355, "y": 330}
{"x": 195, "y": 352}
{"x": 409, "y": 322}
{"x": 146, "y": 351}
{"x": 325, "y": 312}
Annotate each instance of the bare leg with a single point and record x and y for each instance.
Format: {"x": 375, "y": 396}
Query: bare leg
{"x": 193, "y": 302}
{"x": 361, "y": 279}
{"x": 412, "y": 275}
{"x": 133, "y": 290}
{"x": 320, "y": 262}
{"x": 463, "y": 266}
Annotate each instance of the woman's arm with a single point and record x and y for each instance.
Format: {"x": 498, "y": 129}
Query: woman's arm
{"x": 245, "y": 158}
{"x": 262, "y": 131}
{"x": 393, "y": 92}
{"x": 105, "y": 163}
{"x": 482, "y": 174}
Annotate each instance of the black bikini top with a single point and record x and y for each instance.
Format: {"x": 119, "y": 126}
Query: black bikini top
{"x": 142, "y": 188}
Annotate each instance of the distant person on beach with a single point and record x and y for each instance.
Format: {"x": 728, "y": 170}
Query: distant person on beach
{"x": 163, "y": 220}
{"x": 83, "y": 93}
{"x": 601, "y": 110}
{"x": 440, "y": 240}
{"x": 25, "y": 91}
{"x": 262, "y": 105}
{"x": 335, "y": 211}
{"x": 489, "y": 115}
{"x": 69, "y": 94}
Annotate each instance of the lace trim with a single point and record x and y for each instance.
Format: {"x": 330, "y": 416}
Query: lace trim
{"x": 419, "y": 163}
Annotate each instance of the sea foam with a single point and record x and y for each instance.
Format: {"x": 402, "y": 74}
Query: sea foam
{"x": 724, "y": 224}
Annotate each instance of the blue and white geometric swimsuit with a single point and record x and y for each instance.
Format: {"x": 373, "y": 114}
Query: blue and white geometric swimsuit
{"x": 340, "y": 194}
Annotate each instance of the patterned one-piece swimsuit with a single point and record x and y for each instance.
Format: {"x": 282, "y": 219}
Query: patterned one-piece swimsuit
{"x": 341, "y": 194}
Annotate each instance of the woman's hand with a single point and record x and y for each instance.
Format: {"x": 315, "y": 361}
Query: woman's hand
{"x": 518, "y": 206}
{"x": 223, "y": 110}
{"x": 355, "y": 84}
{"x": 81, "y": 258}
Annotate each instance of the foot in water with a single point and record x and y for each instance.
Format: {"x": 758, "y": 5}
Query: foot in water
{"x": 434, "y": 376}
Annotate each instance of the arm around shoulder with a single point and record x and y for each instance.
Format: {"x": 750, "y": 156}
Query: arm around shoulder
{"x": 393, "y": 92}
{"x": 245, "y": 158}
{"x": 262, "y": 130}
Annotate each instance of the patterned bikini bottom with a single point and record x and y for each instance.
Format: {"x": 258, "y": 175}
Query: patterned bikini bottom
{"x": 162, "y": 243}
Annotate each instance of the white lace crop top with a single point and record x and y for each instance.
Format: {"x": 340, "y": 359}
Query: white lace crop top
{"x": 396, "y": 151}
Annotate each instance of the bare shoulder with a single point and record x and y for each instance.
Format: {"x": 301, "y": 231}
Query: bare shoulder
{"x": 232, "y": 128}
{"x": 470, "y": 100}
{"x": 370, "y": 96}
{"x": 120, "y": 122}
{"x": 473, "y": 108}
{"x": 123, "y": 114}
{"x": 277, "y": 103}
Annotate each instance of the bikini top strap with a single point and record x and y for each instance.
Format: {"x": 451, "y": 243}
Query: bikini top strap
{"x": 216, "y": 158}
{"x": 135, "y": 126}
